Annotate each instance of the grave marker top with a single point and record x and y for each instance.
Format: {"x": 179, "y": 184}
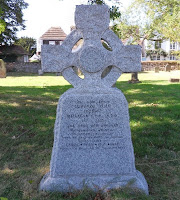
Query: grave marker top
{"x": 92, "y": 23}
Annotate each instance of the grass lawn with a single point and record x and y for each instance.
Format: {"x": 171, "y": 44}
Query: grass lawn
{"x": 27, "y": 115}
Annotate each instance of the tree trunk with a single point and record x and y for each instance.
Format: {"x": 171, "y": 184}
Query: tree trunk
{"x": 134, "y": 78}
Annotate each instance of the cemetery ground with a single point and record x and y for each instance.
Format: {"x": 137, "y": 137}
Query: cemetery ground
{"x": 27, "y": 115}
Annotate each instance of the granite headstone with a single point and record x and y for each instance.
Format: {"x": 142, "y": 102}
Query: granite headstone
{"x": 167, "y": 68}
{"x": 92, "y": 137}
{"x": 40, "y": 72}
{"x": 156, "y": 69}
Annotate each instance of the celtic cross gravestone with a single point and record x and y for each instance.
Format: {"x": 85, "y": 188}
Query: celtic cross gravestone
{"x": 92, "y": 137}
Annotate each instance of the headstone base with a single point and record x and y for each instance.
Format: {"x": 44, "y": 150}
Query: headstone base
{"x": 135, "y": 181}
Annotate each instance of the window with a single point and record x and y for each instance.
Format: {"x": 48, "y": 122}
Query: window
{"x": 45, "y": 42}
{"x": 52, "y": 42}
{"x": 172, "y": 57}
{"x": 157, "y": 44}
{"x": 173, "y": 45}
{"x": 153, "y": 57}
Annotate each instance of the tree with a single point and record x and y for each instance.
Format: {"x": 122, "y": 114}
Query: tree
{"x": 154, "y": 19}
{"x": 2, "y": 26}
{"x": 11, "y": 19}
{"x": 176, "y": 54}
{"x": 138, "y": 25}
{"x": 163, "y": 15}
{"x": 114, "y": 10}
{"x": 135, "y": 34}
{"x": 28, "y": 43}
{"x": 2, "y": 23}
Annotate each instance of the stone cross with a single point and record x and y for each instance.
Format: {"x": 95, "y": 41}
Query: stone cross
{"x": 92, "y": 25}
{"x": 92, "y": 137}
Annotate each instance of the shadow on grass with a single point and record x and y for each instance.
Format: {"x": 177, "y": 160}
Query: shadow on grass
{"x": 26, "y": 132}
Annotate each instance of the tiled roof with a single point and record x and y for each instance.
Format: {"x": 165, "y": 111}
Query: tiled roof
{"x": 54, "y": 33}
{"x": 13, "y": 49}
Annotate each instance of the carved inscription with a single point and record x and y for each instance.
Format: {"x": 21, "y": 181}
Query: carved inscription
{"x": 93, "y": 124}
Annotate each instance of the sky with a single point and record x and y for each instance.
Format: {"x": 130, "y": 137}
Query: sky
{"x": 43, "y": 14}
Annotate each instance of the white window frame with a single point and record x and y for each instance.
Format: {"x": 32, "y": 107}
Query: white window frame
{"x": 154, "y": 57}
{"x": 173, "y": 45}
{"x": 51, "y": 42}
{"x": 158, "y": 44}
{"x": 172, "y": 57}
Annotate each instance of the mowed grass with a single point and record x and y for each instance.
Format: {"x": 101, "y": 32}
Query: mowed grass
{"x": 27, "y": 115}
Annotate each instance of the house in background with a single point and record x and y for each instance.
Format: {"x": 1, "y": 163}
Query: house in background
{"x": 151, "y": 50}
{"x": 53, "y": 36}
{"x": 13, "y": 53}
{"x": 161, "y": 50}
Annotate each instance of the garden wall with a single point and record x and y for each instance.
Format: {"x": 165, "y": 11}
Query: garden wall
{"x": 150, "y": 65}
{"x": 146, "y": 66}
{"x": 23, "y": 67}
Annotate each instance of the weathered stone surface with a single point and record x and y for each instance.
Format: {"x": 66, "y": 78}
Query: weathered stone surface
{"x": 156, "y": 69}
{"x": 92, "y": 143}
{"x": 92, "y": 137}
{"x": 40, "y": 72}
{"x": 167, "y": 68}
{"x": 89, "y": 18}
{"x": 174, "y": 80}
{"x": 2, "y": 69}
